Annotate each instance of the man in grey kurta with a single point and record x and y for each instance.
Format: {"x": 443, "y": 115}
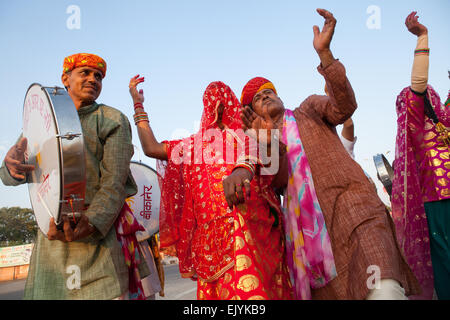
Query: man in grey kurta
{"x": 98, "y": 254}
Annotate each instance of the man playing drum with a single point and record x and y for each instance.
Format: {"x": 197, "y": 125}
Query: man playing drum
{"x": 87, "y": 261}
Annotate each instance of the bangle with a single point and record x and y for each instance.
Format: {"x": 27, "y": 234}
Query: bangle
{"x": 138, "y": 105}
{"x": 250, "y": 168}
{"x": 422, "y": 52}
{"x": 140, "y": 116}
{"x": 136, "y": 122}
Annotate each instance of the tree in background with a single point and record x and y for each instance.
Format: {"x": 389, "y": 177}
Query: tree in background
{"x": 17, "y": 226}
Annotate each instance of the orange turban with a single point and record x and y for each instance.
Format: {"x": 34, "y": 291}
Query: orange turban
{"x": 84, "y": 60}
{"x": 254, "y": 86}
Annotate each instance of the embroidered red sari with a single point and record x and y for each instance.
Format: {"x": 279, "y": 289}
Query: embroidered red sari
{"x": 234, "y": 254}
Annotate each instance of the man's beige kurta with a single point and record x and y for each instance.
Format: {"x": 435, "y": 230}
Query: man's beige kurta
{"x": 99, "y": 258}
{"x": 362, "y": 233}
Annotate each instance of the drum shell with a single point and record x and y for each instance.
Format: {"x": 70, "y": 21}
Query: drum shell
{"x": 384, "y": 171}
{"x": 66, "y": 134}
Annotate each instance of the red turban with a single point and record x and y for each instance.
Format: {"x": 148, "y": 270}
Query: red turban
{"x": 254, "y": 86}
{"x": 84, "y": 60}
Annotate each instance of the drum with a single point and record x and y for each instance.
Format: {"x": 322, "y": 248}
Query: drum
{"x": 385, "y": 172}
{"x": 145, "y": 203}
{"x": 56, "y": 148}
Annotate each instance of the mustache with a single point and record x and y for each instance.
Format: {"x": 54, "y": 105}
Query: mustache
{"x": 93, "y": 86}
{"x": 267, "y": 100}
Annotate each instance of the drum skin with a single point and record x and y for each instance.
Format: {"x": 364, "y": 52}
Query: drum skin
{"x": 55, "y": 146}
{"x": 145, "y": 203}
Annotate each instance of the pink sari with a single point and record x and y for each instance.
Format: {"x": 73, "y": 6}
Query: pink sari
{"x": 408, "y": 209}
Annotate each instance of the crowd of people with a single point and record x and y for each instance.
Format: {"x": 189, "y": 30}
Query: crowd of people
{"x": 313, "y": 228}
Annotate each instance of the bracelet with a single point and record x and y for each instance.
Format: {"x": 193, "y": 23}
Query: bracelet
{"x": 422, "y": 52}
{"x": 138, "y": 105}
{"x": 140, "y": 116}
{"x": 143, "y": 120}
{"x": 250, "y": 168}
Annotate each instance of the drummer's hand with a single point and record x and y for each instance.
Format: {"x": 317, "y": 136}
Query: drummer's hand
{"x": 14, "y": 160}
{"x": 233, "y": 184}
{"x": 82, "y": 229}
{"x": 138, "y": 96}
{"x": 54, "y": 233}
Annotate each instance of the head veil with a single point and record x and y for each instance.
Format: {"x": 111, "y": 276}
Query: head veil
{"x": 171, "y": 172}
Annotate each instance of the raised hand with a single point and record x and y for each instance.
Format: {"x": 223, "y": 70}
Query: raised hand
{"x": 138, "y": 96}
{"x": 414, "y": 26}
{"x": 252, "y": 123}
{"x": 14, "y": 160}
{"x": 322, "y": 39}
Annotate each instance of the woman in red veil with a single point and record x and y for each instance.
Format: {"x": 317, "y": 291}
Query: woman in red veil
{"x": 232, "y": 253}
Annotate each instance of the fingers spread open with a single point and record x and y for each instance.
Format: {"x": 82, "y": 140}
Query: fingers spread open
{"x": 316, "y": 31}
{"x": 247, "y": 117}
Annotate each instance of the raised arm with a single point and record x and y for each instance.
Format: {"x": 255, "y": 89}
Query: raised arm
{"x": 340, "y": 103}
{"x": 419, "y": 74}
{"x": 348, "y": 130}
{"x": 151, "y": 147}
{"x": 322, "y": 39}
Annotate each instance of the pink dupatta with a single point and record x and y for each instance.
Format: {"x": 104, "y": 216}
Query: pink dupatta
{"x": 408, "y": 209}
{"x": 308, "y": 245}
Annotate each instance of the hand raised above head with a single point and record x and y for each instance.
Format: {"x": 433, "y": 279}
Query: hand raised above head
{"x": 14, "y": 160}
{"x": 138, "y": 96}
{"x": 414, "y": 26}
{"x": 322, "y": 39}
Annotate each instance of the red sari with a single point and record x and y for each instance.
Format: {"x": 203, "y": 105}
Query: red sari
{"x": 233, "y": 254}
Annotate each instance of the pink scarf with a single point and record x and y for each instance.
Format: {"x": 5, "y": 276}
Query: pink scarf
{"x": 308, "y": 246}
